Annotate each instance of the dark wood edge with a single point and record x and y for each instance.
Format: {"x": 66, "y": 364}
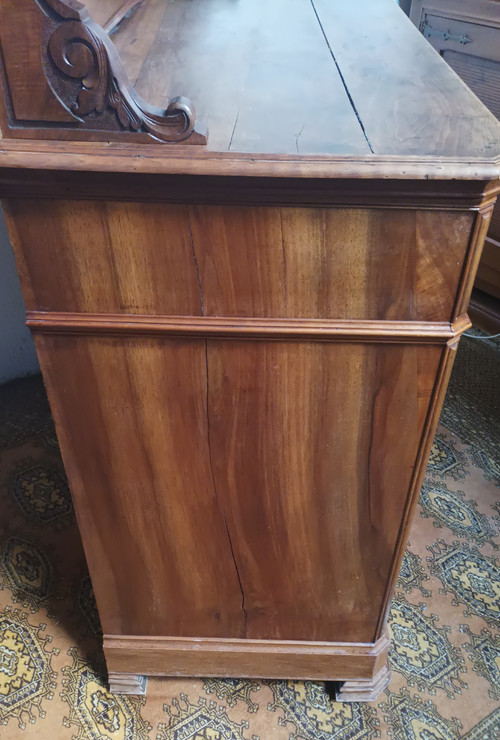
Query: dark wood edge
{"x": 173, "y": 656}
{"x": 426, "y": 440}
{"x": 127, "y": 157}
{"x": 216, "y": 190}
{"x": 474, "y": 251}
{"x": 247, "y": 328}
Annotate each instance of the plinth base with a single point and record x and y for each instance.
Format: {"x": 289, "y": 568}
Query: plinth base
{"x": 362, "y": 668}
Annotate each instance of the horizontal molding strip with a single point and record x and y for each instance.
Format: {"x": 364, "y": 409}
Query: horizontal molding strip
{"x": 247, "y": 191}
{"x": 271, "y": 329}
{"x": 127, "y": 157}
{"x": 200, "y": 656}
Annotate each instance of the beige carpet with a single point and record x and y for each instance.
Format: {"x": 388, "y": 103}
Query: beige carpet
{"x": 444, "y": 619}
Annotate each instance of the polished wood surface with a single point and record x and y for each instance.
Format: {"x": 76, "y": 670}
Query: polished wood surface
{"x": 236, "y": 501}
{"x": 396, "y": 265}
{"x": 246, "y": 345}
{"x": 148, "y": 496}
{"x": 319, "y": 330}
{"x": 268, "y": 268}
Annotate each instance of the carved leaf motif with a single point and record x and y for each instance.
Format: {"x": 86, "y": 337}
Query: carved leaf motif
{"x": 78, "y": 53}
{"x": 81, "y": 51}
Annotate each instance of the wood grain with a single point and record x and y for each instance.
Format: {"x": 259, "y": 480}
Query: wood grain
{"x": 241, "y": 261}
{"x": 246, "y": 658}
{"x": 318, "y": 330}
{"x": 135, "y": 258}
{"x": 179, "y": 463}
{"x": 151, "y": 522}
{"x": 392, "y": 264}
{"x": 28, "y": 96}
{"x": 429, "y": 414}
{"x": 331, "y": 441}
{"x": 408, "y": 99}
{"x": 246, "y": 346}
{"x": 256, "y": 90}
{"x": 113, "y": 157}
{"x": 80, "y": 89}
{"x": 308, "y": 90}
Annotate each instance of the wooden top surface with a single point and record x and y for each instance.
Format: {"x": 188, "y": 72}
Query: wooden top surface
{"x": 309, "y": 83}
{"x": 306, "y": 76}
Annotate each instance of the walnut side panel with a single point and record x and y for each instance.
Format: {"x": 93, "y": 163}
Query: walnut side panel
{"x": 105, "y": 257}
{"x": 241, "y": 261}
{"x": 252, "y": 450}
{"x": 304, "y": 434}
{"x": 131, "y": 417}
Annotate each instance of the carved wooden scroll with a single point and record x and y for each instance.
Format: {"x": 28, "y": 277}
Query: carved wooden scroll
{"x": 63, "y": 78}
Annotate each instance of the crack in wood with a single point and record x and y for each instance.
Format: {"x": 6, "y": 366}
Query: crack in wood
{"x": 351, "y": 101}
{"x": 284, "y": 261}
{"x": 221, "y": 509}
{"x": 196, "y": 266}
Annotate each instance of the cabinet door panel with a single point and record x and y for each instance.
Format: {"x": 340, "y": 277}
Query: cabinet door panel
{"x": 313, "y": 448}
{"x": 131, "y": 416}
{"x": 234, "y": 488}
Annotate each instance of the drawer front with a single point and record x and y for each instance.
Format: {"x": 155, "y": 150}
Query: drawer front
{"x": 462, "y": 36}
{"x": 139, "y": 258}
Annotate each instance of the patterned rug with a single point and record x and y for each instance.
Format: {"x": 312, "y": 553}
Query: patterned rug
{"x": 444, "y": 619}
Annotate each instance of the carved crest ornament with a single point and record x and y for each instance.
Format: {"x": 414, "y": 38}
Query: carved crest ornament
{"x": 85, "y": 74}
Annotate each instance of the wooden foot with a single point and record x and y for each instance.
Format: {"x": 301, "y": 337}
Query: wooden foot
{"x": 127, "y": 683}
{"x": 364, "y": 689}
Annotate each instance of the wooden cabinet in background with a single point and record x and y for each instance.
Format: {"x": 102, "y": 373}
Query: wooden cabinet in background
{"x": 466, "y": 33}
{"x": 245, "y": 338}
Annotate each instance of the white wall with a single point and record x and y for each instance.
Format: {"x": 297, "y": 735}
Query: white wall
{"x": 17, "y": 352}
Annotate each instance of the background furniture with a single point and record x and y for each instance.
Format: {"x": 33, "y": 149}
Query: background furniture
{"x": 466, "y": 33}
{"x": 245, "y": 337}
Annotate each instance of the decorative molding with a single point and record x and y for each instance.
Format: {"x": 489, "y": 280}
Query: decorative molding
{"x": 85, "y": 75}
{"x": 226, "y": 657}
{"x": 387, "y": 181}
{"x": 270, "y": 329}
{"x": 364, "y": 689}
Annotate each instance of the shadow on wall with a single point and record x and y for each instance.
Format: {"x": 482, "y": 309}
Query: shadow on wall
{"x": 17, "y": 351}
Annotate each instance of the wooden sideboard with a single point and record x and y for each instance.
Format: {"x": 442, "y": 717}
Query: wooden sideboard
{"x": 245, "y": 335}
